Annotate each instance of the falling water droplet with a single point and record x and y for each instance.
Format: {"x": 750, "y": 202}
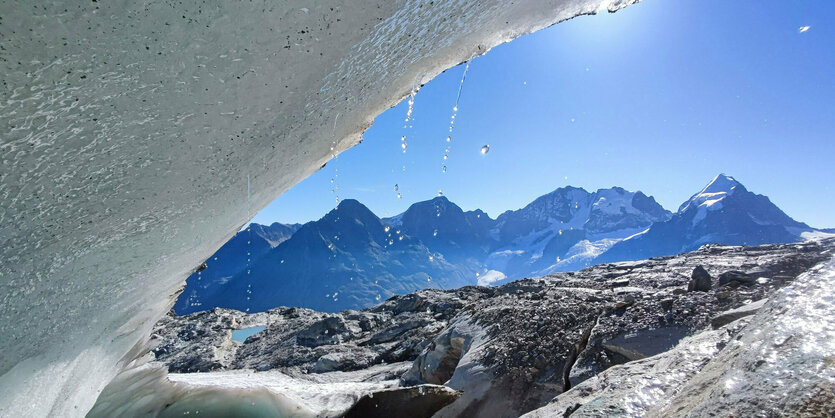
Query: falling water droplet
{"x": 440, "y": 192}
{"x": 386, "y": 229}
{"x": 377, "y": 298}
{"x": 399, "y": 196}
{"x": 443, "y": 169}
{"x": 485, "y": 149}
{"x": 396, "y": 187}
{"x": 435, "y": 233}
{"x": 448, "y": 139}
{"x": 431, "y": 258}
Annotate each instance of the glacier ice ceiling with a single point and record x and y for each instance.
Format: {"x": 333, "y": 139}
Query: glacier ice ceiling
{"x": 139, "y": 136}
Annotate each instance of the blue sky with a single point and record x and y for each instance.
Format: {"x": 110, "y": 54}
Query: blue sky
{"x": 659, "y": 97}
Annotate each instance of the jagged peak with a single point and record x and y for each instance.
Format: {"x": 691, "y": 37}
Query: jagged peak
{"x": 721, "y": 183}
{"x": 720, "y": 187}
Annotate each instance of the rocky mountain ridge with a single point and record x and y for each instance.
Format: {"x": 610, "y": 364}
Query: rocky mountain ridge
{"x": 351, "y": 258}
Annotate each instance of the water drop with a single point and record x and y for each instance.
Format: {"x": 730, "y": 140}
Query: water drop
{"x": 446, "y": 156}
{"x": 378, "y": 298}
{"x": 485, "y": 149}
{"x": 440, "y": 192}
{"x": 386, "y": 229}
{"x": 448, "y": 139}
{"x": 435, "y": 233}
{"x": 443, "y": 169}
{"x": 396, "y": 187}
{"x": 431, "y": 258}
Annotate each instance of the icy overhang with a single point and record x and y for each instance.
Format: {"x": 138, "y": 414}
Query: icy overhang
{"x": 139, "y": 136}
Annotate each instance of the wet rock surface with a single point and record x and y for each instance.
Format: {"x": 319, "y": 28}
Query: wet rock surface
{"x": 410, "y": 402}
{"x": 509, "y": 349}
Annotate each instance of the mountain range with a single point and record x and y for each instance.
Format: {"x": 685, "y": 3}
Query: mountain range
{"x": 350, "y": 258}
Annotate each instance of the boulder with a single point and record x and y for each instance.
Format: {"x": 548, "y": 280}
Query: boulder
{"x": 411, "y": 402}
{"x": 727, "y": 317}
{"x": 700, "y": 280}
{"x": 736, "y": 277}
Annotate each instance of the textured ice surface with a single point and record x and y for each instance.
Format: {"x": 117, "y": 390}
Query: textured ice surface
{"x": 323, "y": 394}
{"x": 775, "y": 363}
{"x": 780, "y": 365}
{"x": 131, "y": 133}
{"x": 144, "y": 391}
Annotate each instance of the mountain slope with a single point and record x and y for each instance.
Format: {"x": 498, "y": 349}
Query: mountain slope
{"x": 350, "y": 258}
{"x": 723, "y": 212}
{"x": 229, "y": 260}
{"x": 565, "y": 229}
{"x": 444, "y": 227}
{"x": 347, "y": 260}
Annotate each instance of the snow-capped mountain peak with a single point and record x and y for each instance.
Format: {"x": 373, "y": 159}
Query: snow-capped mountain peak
{"x": 719, "y": 188}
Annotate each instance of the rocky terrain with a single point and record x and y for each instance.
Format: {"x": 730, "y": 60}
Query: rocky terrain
{"x": 511, "y": 349}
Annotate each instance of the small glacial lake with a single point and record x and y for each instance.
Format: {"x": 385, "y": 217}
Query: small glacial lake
{"x": 244, "y": 333}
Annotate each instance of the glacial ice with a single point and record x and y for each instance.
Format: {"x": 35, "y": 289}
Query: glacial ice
{"x": 141, "y": 136}
{"x": 774, "y": 363}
